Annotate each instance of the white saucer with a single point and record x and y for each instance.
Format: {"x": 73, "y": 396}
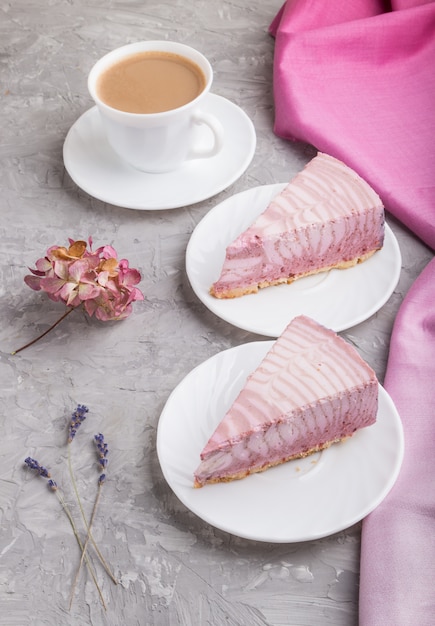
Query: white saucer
{"x": 338, "y": 299}
{"x": 297, "y": 501}
{"x": 93, "y": 165}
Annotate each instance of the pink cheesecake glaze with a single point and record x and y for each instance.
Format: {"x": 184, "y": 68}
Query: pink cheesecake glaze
{"x": 328, "y": 216}
{"x": 310, "y": 390}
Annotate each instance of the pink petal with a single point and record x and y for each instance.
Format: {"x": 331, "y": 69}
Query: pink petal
{"x": 68, "y": 293}
{"x": 113, "y": 288}
{"x": 103, "y": 315}
{"x": 52, "y": 284}
{"x": 109, "y": 253}
{"x": 103, "y": 278}
{"x": 61, "y": 269}
{"x": 36, "y": 272}
{"x": 78, "y": 268}
{"x": 93, "y": 261}
{"x": 89, "y": 278}
{"x": 131, "y": 277}
{"x": 90, "y": 307}
{"x": 54, "y": 296}
{"x": 74, "y": 300}
{"x": 50, "y": 251}
{"x": 43, "y": 265}
{"x": 34, "y": 282}
{"x": 87, "y": 291}
{"x": 136, "y": 294}
{"x": 125, "y": 313}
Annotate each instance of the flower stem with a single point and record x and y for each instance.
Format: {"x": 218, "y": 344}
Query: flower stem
{"x": 85, "y": 546}
{"x": 27, "y": 345}
{"x": 88, "y": 526}
{"x": 85, "y": 556}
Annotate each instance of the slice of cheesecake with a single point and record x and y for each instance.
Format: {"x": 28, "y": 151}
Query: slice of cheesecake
{"x": 312, "y": 389}
{"x": 326, "y": 217}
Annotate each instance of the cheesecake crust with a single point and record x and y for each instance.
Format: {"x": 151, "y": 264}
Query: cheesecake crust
{"x": 255, "y": 470}
{"x": 244, "y": 291}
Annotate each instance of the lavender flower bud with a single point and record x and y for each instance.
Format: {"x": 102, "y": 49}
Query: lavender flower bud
{"x": 102, "y": 450}
{"x": 77, "y": 418}
{"x": 52, "y": 485}
{"x": 33, "y": 464}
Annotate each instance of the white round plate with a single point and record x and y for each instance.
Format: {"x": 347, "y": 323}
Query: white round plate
{"x": 338, "y": 299}
{"x": 94, "y": 166}
{"x": 298, "y": 501}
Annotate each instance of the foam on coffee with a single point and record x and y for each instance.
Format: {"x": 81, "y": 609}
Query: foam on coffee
{"x": 150, "y": 82}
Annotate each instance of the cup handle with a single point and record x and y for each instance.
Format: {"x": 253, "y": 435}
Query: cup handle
{"x": 198, "y": 152}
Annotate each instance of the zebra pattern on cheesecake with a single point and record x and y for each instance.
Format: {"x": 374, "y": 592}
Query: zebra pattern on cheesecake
{"x": 311, "y": 389}
{"x": 326, "y": 217}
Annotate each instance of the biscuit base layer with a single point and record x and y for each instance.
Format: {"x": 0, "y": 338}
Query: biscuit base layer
{"x": 244, "y": 291}
{"x": 262, "y": 468}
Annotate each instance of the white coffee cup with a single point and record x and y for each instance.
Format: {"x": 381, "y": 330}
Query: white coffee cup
{"x": 158, "y": 142}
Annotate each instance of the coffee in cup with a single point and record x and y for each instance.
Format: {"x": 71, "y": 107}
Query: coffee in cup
{"x": 150, "y": 82}
{"x": 150, "y": 96}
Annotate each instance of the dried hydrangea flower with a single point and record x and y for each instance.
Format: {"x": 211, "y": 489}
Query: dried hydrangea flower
{"x": 75, "y": 275}
{"x": 96, "y": 280}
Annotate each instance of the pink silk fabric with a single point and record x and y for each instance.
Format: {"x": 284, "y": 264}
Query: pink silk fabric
{"x": 358, "y": 83}
{"x": 398, "y": 539}
{"x": 356, "y": 79}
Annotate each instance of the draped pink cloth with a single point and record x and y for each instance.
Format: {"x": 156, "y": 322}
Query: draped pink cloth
{"x": 359, "y": 83}
{"x": 356, "y": 79}
{"x": 398, "y": 540}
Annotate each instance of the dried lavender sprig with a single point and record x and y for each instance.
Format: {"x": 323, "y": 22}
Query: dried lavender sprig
{"x": 85, "y": 546}
{"x": 85, "y": 521}
{"x": 81, "y": 546}
{"x": 52, "y": 485}
{"x": 102, "y": 450}
{"x": 34, "y": 465}
{"x": 77, "y": 419}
